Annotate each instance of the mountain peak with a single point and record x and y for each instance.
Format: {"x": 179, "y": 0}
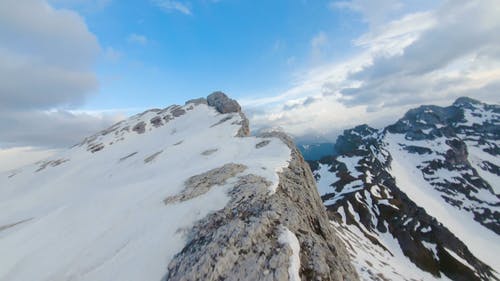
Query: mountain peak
{"x": 419, "y": 199}
{"x": 466, "y": 101}
{"x": 223, "y": 103}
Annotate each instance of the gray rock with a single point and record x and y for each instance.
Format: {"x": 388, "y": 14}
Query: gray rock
{"x": 127, "y": 156}
{"x": 209, "y": 152}
{"x": 95, "y": 147}
{"x": 262, "y": 144}
{"x": 50, "y": 163}
{"x": 244, "y": 131}
{"x": 227, "y": 118}
{"x": 156, "y": 121}
{"x": 152, "y": 157}
{"x": 201, "y": 184}
{"x": 240, "y": 242}
{"x": 178, "y": 111}
{"x": 223, "y": 103}
{"x": 140, "y": 127}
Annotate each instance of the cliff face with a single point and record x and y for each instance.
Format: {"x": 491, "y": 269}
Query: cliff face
{"x": 244, "y": 241}
{"x": 181, "y": 193}
{"x": 420, "y": 197}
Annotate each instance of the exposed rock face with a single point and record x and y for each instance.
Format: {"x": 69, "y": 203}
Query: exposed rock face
{"x": 223, "y": 103}
{"x": 227, "y": 107}
{"x": 391, "y": 211}
{"x": 364, "y": 189}
{"x": 201, "y": 184}
{"x": 245, "y": 126}
{"x": 241, "y": 241}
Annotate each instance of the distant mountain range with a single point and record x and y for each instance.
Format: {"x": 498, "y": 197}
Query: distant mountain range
{"x": 419, "y": 199}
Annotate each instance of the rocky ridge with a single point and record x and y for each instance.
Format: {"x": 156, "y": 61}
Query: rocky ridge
{"x": 374, "y": 194}
{"x": 241, "y": 241}
{"x": 181, "y": 193}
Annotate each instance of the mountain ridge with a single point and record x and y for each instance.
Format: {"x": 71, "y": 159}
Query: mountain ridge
{"x": 178, "y": 193}
{"x": 383, "y": 184}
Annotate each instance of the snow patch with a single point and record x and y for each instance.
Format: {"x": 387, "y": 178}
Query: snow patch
{"x": 326, "y": 179}
{"x": 286, "y": 237}
{"x": 351, "y": 164}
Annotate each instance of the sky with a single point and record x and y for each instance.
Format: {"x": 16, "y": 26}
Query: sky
{"x": 69, "y": 68}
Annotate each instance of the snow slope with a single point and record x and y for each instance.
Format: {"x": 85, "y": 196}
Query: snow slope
{"x": 482, "y": 242}
{"x": 97, "y": 212}
{"x": 418, "y": 200}
{"x": 375, "y": 263}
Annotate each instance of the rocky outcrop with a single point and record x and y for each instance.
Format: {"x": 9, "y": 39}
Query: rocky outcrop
{"x": 201, "y": 184}
{"x": 242, "y": 241}
{"x": 161, "y": 117}
{"x": 223, "y": 103}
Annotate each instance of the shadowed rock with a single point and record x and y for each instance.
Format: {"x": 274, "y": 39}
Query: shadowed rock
{"x": 152, "y": 157}
{"x": 262, "y": 144}
{"x": 3, "y": 227}
{"x": 156, "y": 121}
{"x": 222, "y": 121}
{"x": 51, "y": 163}
{"x": 128, "y": 156}
{"x": 223, "y": 103}
{"x": 140, "y": 127}
{"x": 209, "y": 152}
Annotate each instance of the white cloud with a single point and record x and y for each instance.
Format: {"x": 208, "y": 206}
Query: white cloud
{"x": 54, "y": 129}
{"x": 88, "y": 5}
{"x": 447, "y": 51}
{"x": 14, "y": 158}
{"x": 317, "y": 116}
{"x": 47, "y": 57}
{"x": 112, "y": 54}
{"x": 173, "y": 5}
{"x": 318, "y": 44}
{"x": 137, "y": 39}
{"x": 426, "y": 57}
{"x": 319, "y": 40}
{"x": 373, "y": 12}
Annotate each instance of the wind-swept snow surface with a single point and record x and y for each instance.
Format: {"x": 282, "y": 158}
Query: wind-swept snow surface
{"x": 97, "y": 210}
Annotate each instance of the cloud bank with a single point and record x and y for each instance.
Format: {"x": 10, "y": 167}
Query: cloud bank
{"x": 428, "y": 57}
{"x": 46, "y": 68}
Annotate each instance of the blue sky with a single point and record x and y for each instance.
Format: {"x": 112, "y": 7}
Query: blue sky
{"x": 153, "y": 56}
{"x": 69, "y": 68}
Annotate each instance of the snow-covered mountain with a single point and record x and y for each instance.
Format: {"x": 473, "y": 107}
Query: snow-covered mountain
{"x": 181, "y": 193}
{"x": 419, "y": 200}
